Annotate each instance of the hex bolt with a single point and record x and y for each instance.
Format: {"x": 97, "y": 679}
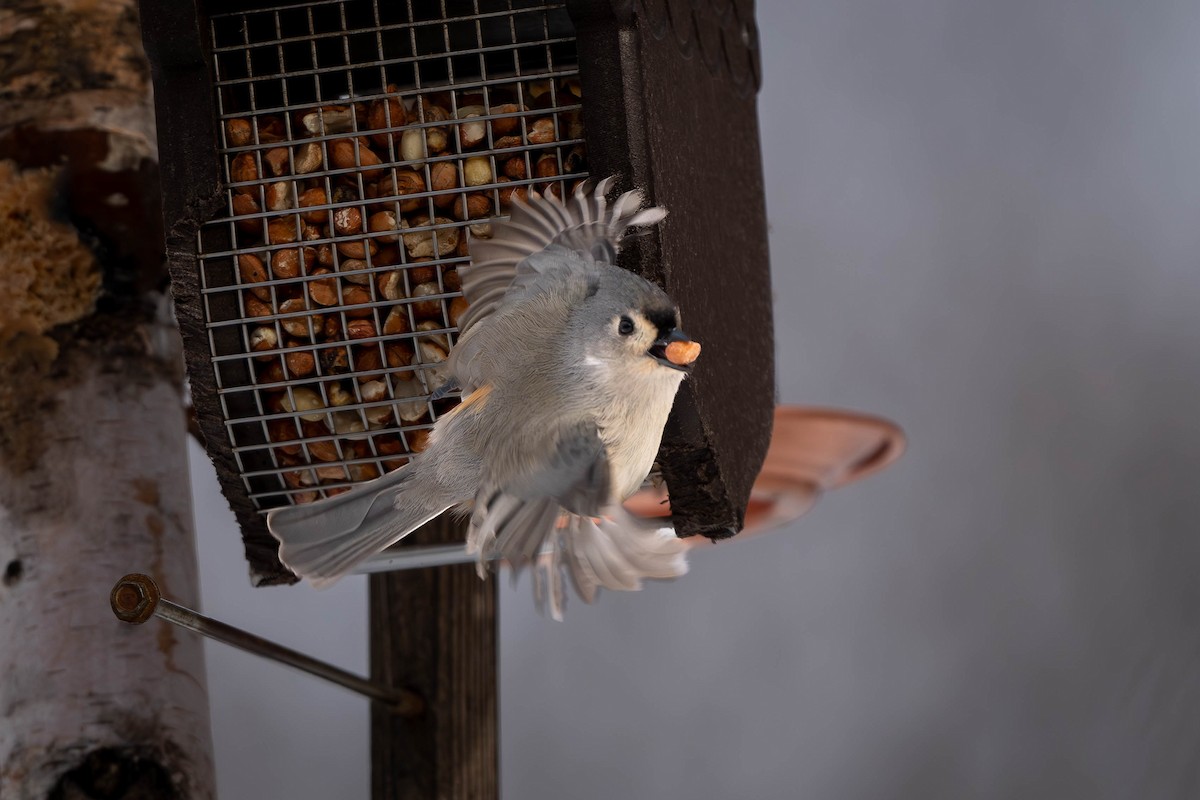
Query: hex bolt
{"x": 135, "y": 598}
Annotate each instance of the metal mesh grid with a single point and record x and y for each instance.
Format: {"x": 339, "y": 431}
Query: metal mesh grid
{"x": 364, "y": 145}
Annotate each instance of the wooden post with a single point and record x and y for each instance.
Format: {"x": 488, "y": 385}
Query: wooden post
{"x": 434, "y": 631}
{"x": 650, "y": 70}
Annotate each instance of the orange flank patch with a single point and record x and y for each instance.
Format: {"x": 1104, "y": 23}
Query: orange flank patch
{"x": 473, "y": 401}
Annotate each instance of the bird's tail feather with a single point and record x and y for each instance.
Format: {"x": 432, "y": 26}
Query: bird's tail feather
{"x": 324, "y": 541}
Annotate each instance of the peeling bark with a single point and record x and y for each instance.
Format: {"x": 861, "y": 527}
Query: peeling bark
{"x": 93, "y": 476}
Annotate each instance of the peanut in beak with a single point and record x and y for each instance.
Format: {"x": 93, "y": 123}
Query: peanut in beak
{"x": 682, "y": 353}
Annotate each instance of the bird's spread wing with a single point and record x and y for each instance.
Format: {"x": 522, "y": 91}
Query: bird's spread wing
{"x": 560, "y": 517}
{"x": 514, "y": 520}
{"x": 545, "y": 246}
{"x": 583, "y": 223}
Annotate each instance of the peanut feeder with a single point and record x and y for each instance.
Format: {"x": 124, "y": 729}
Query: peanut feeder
{"x": 328, "y": 164}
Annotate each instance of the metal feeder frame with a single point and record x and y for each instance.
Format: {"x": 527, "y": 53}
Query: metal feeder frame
{"x": 668, "y": 105}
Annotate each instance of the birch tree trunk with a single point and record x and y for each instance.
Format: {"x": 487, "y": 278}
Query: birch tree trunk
{"x": 93, "y": 476}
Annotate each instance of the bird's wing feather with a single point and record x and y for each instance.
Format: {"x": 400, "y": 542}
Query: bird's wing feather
{"x": 562, "y": 518}
{"x": 583, "y": 223}
{"x": 576, "y": 476}
{"x": 515, "y": 519}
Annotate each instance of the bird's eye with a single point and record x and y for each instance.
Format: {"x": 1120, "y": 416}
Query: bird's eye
{"x": 625, "y": 326}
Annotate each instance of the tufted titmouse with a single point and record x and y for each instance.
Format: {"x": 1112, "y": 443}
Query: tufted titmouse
{"x": 568, "y": 367}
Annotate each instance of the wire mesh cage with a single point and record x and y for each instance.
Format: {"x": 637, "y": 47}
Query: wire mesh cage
{"x": 364, "y": 147}
{"x": 336, "y": 159}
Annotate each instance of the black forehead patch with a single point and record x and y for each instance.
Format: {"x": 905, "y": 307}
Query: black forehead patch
{"x": 661, "y": 318}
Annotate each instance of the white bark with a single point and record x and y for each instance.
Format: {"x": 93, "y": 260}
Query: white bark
{"x": 108, "y": 494}
{"x": 93, "y": 470}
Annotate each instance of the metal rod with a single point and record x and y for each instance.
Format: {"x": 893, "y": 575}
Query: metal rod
{"x": 440, "y": 555}
{"x": 136, "y": 598}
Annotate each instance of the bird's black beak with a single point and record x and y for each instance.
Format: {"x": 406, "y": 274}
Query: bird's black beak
{"x": 675, "y": 350}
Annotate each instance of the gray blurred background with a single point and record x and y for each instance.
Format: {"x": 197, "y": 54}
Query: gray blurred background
{"x": 985, "y": 224}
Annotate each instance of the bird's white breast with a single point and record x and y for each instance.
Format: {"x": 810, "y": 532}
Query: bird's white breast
{"x": 631, "y": 425}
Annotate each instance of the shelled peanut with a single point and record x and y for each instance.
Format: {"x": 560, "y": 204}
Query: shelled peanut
{"x": 349, "y": 237}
